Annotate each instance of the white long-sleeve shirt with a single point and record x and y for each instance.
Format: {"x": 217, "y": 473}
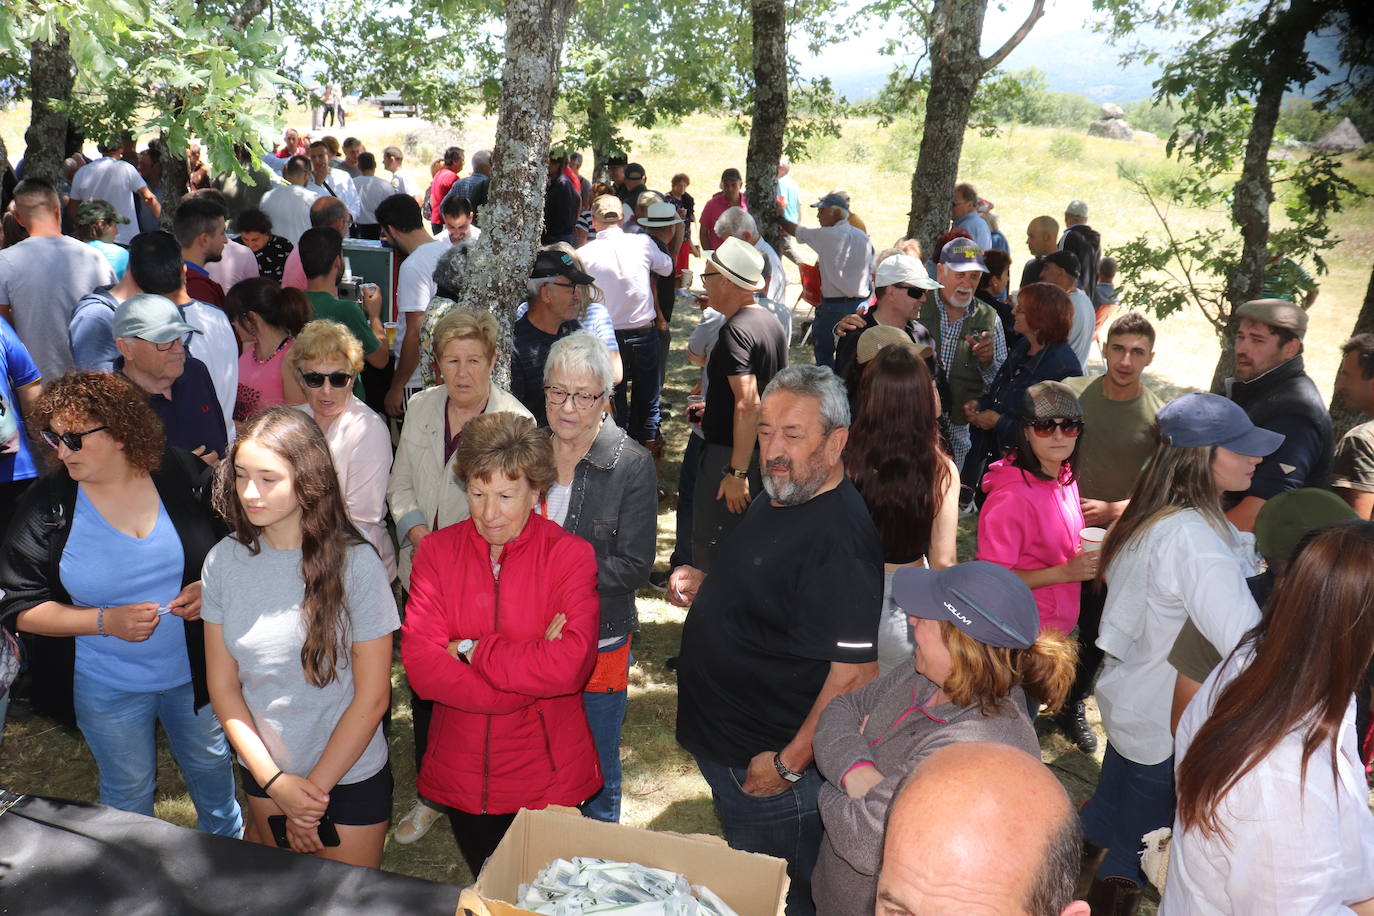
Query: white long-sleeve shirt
{"x": 1178, "y": 567}
{"x": 1291, "y": 844}
{"x": 621, "y": 264}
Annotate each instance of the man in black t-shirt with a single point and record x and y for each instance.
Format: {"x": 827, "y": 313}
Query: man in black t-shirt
{"x": 552, "y": 314}
{"x": 750, "y": 349}
{"x": 786, "y": 621}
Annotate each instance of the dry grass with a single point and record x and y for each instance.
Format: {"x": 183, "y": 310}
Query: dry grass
{"x": 1026, "y": 171}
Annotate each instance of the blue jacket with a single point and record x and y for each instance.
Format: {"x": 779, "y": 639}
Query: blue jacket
{"x": 1021, "y": 370}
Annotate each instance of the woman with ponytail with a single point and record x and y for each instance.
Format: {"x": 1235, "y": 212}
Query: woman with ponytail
{"x": 1273, "y": 810}
{"x": 979, "y": 649}
{"x": 298, "y": 621}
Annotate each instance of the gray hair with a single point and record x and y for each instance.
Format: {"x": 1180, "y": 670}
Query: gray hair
{"x": 736, "y": 222}
{"x": 817, "y": 382}
{"x": 534, "y": 284}
{"x": 784, "y": 162}
{"x": 452, "y": 267}
{"x": 581, "y": 353}
{"x": 481, "y": 158}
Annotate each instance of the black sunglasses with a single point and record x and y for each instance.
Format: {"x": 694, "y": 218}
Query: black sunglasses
{"x": 71, "y": 440}
{"x": 336, "y": 379}
{"x": 1045, "y": 428}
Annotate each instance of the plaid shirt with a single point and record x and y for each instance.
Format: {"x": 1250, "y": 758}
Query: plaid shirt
{"x": 951, "y": 333}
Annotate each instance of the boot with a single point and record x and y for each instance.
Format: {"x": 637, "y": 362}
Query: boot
{"x": 1092, "y": 857}
{"x": 1114, "y": 897}
{"x": 1073, "y": 721}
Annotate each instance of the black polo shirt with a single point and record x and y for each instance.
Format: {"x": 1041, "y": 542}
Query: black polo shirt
{"x": 791, "y": 590}
{"x": 192, "y": 417}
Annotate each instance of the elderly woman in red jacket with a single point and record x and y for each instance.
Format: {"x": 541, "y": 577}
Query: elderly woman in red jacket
{"x": 500, "y": 632}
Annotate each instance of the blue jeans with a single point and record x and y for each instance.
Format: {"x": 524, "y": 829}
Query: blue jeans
{"x": 1131, "y": 799}
{"x": 786, "y": 825}
{"x": 686, "y": 492}
{"x": 636, "y": 397}
{"x": 606, "y": 716}
{"x": 828, "y": 314}
{"x": 121, "y": 729}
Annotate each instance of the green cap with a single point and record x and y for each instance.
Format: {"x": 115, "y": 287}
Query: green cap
{"x": 97, "y": 211}
{"x": 150, "y": 317}
{"x": 1284, "y": 520}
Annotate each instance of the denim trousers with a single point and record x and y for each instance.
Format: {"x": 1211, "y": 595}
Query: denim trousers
{"x": 121, "y": 729}
{"x": 786, "y": 825}
{"x": 828, "y": 314}
{"x": 1131, "y": 799}
{"x": 636, "y": 397}
{"x": 686, "y": 493}
{"x": 606, "y": 717}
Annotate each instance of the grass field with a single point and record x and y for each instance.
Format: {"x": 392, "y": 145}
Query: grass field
{"x": 1025, "y": 171}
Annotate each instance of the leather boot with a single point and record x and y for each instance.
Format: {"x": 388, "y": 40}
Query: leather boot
{"x": 1092, "y": 857}
{"x": 1073, "y": 721}
{"x": 1114, "y": 897}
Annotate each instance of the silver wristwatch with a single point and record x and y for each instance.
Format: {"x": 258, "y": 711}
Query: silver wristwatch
{"x": 783, "y": 771}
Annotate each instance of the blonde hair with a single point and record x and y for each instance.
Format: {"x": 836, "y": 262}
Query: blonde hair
{"x": 466, "y": 324}
{"x": 984, "y": 674}
{"x": 321, "y": 339}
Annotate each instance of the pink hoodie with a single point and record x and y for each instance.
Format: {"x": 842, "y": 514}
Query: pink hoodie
{"x": 1029, "y": 523}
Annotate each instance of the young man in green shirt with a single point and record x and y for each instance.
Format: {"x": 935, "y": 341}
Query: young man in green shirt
{"x": 321, "y": 251}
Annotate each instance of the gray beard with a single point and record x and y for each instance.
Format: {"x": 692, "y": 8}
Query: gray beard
{"x": 794, "y": 491}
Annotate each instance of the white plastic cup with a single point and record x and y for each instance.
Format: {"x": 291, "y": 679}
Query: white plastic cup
{"x": 1090, "y": 539}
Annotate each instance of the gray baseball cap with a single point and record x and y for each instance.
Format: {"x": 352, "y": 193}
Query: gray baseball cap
{"x": 150, "y": 317}
{"x": 988, "y": 602}
{"x": 1201, "y": 419}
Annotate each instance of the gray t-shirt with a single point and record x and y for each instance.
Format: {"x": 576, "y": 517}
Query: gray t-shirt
{"x": 41, "y": 280}
{"x": 257, "y": 599}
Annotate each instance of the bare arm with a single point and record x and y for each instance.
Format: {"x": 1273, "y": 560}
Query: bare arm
{"x": 405, "y": 363}
{"x": 1244, "y": 513}
{"x": 1361, "y": 502}
{"x": 371, "y": 664}
{"x": 149, "y": 198}
{"x": 1185, "y": 688}
{"x": 617, "y": 368}
{"x": 6, "y": 312}
{"x": 748, "y": 407}
{"x": 30, "y": 393}
{"x": 944, "y": 529}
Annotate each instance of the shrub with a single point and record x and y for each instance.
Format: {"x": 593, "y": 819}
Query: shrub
{"x": 1066, "y": 146}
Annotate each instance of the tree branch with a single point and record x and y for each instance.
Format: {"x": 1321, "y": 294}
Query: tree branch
{"x": 1037, "y": 10}
{"x": 247, "y": 13}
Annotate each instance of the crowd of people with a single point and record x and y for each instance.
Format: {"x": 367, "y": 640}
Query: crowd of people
{"x": 220, "y": 468}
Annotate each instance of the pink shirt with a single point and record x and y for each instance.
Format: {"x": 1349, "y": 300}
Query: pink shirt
{"x": 236, "y": 263}
{"x": 711, "y": 212}
{"x": 293, "y": 274}
{"x": 260, "y": 384}
{"x": 1029, "y": 523}
{"x": 360, "y": 445}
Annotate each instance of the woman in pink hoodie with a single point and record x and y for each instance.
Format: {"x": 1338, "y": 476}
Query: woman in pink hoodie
{"x": 1031, "y": 520}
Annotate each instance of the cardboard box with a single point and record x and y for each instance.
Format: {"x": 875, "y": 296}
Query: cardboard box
{"x": 753, "y": 884}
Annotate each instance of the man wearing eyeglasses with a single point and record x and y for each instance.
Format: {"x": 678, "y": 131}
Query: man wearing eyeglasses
{"x": 901, "y": 284}
{"x": 552, "y": 315}
{"x": 149, "y": 332}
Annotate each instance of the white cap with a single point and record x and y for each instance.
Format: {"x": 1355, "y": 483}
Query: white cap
{"x": 903, "y": 268}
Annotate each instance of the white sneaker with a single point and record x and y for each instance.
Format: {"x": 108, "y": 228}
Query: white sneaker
{"x": 416, "y": 823}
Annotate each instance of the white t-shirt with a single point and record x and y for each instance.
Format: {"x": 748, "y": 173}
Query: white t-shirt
{"x": 115, "y": 182}
{"x": 372, "y": 190}
{"x": 288, "y": 207}
{"x": 474, "y": 233}
{"x": 415, "y": 286}
{"x": 1084, "y": 323}
{"x": 845, "y": 257}
{"x": 217, "y": 346}
{"x": 398, "y": 183}
{"x": 1292, "y": 844}
{"x": 41, "y": 280}
{"x": 777, "y": 278}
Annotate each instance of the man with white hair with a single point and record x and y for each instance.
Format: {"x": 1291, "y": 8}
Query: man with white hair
{"x": 737, "y": 223}
{"x": 844, "y": 255}
{"x": 789, "y": 193}
{"x": 785, "y": 621}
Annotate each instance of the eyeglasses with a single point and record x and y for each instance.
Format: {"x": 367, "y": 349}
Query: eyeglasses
{"x": 581, "y": 399}
{"x": 335, "y": 379}
{"x": 71, "y": 440}
{"x": 568, "y": 285}
{"x": 1045, "y": 428}
{"x": 914, "y": 292}
{"x": 708, "y": 274}
{"x": 162, "y": 347}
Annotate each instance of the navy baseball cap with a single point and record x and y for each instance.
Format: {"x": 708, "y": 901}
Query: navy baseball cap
{"x": 962, "y": 254}
{"x": 988, "y": 602}
{"x": 1201, "y": 419}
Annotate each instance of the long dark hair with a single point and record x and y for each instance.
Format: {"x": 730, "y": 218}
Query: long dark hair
{"x": 1311, "y": 650}
{"x": 285, "y": 308}
{"x": 894, "y": 454}
{"x": 326, "y": 532}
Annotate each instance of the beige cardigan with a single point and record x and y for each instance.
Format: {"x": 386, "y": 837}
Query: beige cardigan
{"x": 422, "y": 488}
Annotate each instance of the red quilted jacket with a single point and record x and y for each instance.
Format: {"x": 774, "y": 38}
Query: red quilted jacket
{"x": 509, "y": 730}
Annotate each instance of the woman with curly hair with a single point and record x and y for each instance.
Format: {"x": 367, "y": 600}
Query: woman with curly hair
{"x": 299, "y": 616}
{"x": 907, "y": 480}
{"x": 102, "y": 562}
{"x": 979, "y": 648}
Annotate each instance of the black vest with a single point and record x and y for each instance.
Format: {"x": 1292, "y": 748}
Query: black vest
{"x": 1287, "y": 391}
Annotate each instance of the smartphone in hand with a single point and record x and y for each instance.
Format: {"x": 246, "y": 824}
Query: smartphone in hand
{"x": 329, "y": 834}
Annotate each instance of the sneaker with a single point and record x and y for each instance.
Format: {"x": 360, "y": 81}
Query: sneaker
{"x": 1073, "y": 721}
{"x": 416, "y": 822}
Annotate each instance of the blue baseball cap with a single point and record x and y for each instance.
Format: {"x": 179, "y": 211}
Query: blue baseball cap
{"x": 1201, "y": 419}
{"x": 962, "y": 254}
{"x": 988, "y": 602}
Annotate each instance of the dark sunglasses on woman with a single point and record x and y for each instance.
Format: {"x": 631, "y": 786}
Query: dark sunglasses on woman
{"x": 336, "y": 379}
{"x": 1045, "y": 428}
{"x": 71, "y": 440}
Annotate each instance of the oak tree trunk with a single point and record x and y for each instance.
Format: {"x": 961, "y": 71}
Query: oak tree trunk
{"x": 513, "y": 218}
{"x": 1281, "y": 46}
{"x": 1344, "y": 417}
{"x": 51, "y": 77}
{"x": 770, "y": 114}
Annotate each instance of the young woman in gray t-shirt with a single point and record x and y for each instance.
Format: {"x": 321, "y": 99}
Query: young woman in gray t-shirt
{"x": 299, "y": 616}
